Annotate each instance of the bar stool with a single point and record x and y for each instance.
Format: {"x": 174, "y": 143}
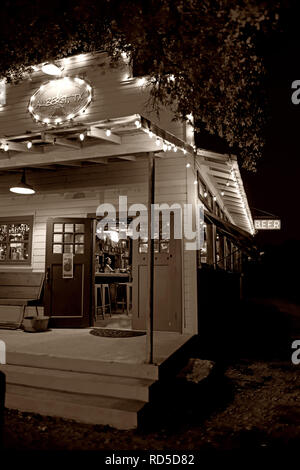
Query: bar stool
{"x": 104, "y": 289}
{"x": 126, "y": 295}
{"x": 121, "y": 295}
{"x": 106, "y": 302}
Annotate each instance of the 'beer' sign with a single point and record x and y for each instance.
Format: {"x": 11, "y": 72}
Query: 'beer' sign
{"x": 267, "y": 224}
{"x": 61, "y": 100}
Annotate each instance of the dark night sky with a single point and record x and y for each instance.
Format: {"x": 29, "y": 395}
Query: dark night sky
{"x": 275, "y": 186}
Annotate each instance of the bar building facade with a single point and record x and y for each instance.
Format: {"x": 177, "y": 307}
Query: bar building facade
{"x": 84, "y": 139}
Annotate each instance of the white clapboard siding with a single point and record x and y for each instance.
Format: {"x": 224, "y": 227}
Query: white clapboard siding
{"x": 77, "y": 192}
{"x": 114, "y": 95}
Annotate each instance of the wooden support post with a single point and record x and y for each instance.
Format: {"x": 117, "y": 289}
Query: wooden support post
{"x": 149, "y": 322}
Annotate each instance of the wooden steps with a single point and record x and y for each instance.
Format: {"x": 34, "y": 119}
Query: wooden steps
{"x": 92, "y": 409}
{"x": 119, "y": 394}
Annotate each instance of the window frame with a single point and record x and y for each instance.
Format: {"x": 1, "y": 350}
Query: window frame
{"x": 26, "y": 219}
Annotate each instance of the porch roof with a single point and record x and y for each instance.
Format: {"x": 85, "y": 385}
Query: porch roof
{"x": 122, "y": 138}
{"x": 223, "y": 170}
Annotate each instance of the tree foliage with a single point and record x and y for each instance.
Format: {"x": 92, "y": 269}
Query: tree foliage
{"x": 201, "y": 56}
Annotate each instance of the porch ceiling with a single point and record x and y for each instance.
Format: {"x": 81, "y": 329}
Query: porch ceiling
{"x": 124, "y": 138}
{"x": 224, "y": 173}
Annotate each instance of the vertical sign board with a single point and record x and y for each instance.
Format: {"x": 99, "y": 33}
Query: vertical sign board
{"x": 2, "y": 93}
{"x": 267, "y": 224}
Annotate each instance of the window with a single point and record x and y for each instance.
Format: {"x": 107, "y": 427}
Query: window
{"x": 68, "y": 238}
{"x": 16, "y": 240}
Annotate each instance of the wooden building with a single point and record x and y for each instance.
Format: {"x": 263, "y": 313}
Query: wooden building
{"x": 97, "y": 149}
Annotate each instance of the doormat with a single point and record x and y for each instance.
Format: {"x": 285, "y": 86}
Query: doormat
{"x": 110, "y": 333}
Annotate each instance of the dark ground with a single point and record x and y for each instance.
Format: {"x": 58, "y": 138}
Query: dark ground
{"x": 252, "y": 401}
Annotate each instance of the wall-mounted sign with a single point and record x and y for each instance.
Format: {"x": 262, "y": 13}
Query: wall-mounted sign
{"x": 267, "y": 224}
{"x": 59, "y": 101}
{"x": 2, "y": 93}
{"x": 68, "y": 266}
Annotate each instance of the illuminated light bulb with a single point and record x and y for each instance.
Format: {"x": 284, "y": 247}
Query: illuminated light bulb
{"x": 169, "y": 146}
{"x": 150, "y": 134}
{"x": 205, "y": 193}
{"x": 108, "y": 132}
{"x": 30, "y": 109}
{"x": 157, "y": 142}
{"x": 58, "y": 121}
{"x": 138, "y": 123}
{"x": 70, "y": 116}
{"x": 81, "y": 137}
{"x": 78, "y": 80}
{"x": 222, "y": 193}
{"x": 36, "y": 117}
{"x": 51, "y": 69}
{"x": 227, "y": 184}
{"x": 174, "y": 148}
{"x": 165, "y": 147}
{"x": 46, "y": 120}
{"x": 6, "y": 147}
{"x": 214, "y": 198}
{"x": 141, "y": 81}
{"x": 195, "y": 182}
{"x": 29, "y": 145}
{"x": 184, "y": 151}
{"x": 188, "y": 165}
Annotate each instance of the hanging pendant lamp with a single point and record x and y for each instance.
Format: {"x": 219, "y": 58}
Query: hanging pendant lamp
{"x": 22, "y": 187}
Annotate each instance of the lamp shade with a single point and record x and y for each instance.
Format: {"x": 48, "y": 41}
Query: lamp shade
{"x": 22, "y": 187}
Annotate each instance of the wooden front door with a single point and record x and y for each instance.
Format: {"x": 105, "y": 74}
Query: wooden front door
{"x": 167, "y": 283}
{"x": 68, "y": 288}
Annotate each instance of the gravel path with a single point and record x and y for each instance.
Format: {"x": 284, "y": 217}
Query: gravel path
{"x": 261, "y": 410}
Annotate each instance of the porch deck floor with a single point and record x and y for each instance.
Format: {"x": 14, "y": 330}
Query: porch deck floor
{"x": 80, "y": 344}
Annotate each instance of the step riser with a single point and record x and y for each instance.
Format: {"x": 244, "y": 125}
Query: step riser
{"x": 85, "y": 414}
{"x": 140, "y": 371}
{"x": 82, "y": 386}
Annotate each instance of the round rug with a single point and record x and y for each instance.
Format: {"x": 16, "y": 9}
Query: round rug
{"x": 111, "y": 333}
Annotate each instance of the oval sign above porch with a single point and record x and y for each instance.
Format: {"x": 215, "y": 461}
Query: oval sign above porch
{"x": 60, "y": 100}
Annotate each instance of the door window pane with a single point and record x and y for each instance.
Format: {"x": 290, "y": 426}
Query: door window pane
{"x": 57, "y": 249}
{"x": 68, "y": 238}
{"x": 79, "y": 249}
{"x": 79, "y": 238}
{"x": 68, "y": 248}
{"x": 57, "y": 238}
{"x": 79, "y": 228}
{"x": 69, "y": 228}
{"x": 58, "y": 228}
